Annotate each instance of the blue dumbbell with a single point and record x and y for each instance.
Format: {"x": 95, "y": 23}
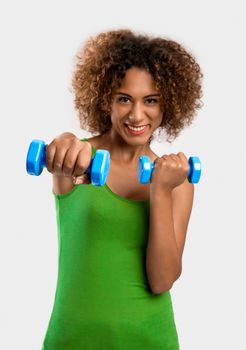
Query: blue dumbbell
{"x": 97, "y": 170}
{"x": 145, "y": 168}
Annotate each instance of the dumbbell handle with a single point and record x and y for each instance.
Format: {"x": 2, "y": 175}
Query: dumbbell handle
{"x": 145, "y": 169}
{"x": 97, "y": 170}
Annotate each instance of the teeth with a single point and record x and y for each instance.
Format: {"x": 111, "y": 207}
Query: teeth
{"x": 139, "y": 128}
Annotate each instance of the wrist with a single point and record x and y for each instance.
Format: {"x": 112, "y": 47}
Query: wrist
{"x": 159, "y": 193}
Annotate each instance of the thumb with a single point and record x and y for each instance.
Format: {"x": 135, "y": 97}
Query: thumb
{"x": 82, "y": 179}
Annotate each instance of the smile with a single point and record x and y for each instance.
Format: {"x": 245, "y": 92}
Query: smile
{"x": 136, "y": 130}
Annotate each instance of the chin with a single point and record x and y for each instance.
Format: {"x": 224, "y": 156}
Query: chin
{"x": 137, "y": 142}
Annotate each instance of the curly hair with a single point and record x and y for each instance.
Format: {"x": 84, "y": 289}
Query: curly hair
{"x": 101, "y": 64}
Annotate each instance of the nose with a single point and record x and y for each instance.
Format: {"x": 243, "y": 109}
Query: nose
{"x": 137, "y": 113}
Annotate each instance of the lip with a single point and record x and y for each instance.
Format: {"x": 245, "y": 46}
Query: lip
{"x": 132, "y": 132}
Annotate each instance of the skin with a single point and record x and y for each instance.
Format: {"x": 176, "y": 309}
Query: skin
{"x": 136, "y": 103}
{"x": 170, "y": 194}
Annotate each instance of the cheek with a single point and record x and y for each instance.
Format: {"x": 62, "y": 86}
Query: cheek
{"x": 158, "y": 118}
{"x": 156, "y": 114}
{"x": 114, "y": 116}
{"x": 118, "y": 111}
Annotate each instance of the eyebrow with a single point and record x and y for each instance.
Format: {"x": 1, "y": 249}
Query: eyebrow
{"x": 123, "y": 93}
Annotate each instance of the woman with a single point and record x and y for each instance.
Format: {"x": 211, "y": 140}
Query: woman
{"x": 121, "y": 245}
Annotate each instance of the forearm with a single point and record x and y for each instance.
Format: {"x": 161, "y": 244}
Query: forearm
{"x": 163, "y": 262}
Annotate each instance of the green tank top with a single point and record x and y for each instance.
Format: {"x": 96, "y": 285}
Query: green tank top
{"x": 103, "y": 300}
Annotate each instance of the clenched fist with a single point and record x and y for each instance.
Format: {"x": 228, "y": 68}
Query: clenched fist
{"x": 67, "y": 156}
{"x": 169, "y": 172}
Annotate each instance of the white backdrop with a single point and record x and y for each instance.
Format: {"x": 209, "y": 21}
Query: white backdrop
{"x": 39, "y": 40}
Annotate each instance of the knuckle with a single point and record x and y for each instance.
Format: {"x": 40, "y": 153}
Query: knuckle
{"x": 69, "y": 164}
{"x": 182, "y": 156}
{"x": 163, "y": 159}
{"x": 55, "y": 142}
{"x": 87, "y": 146}
{"x": 48, "y": 158}
{"x": 68, "y": 168}
{"x": 74, "y": 141}
{"x": 58, "y": 165}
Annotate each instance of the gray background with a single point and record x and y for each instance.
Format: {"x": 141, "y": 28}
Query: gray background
{"x": 38, "y": 42}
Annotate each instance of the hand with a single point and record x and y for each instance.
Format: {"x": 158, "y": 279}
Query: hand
{"x": 169, "y": 172}
{"x": 66, "y": 155}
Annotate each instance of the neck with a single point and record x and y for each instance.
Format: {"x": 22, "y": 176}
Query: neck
{"x": 122, "y": 152}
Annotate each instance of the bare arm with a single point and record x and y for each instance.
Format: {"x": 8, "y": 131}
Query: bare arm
{"x": 169, "y": 216}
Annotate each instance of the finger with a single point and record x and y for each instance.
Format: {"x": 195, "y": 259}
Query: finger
{"x": 164, "y": 160}
{"x": 50, "y": 154}
{"x": 175, "y": 156}
{"x": 59, "y": 159}
{"x": 172, "y": 159}
{"x": 182, "y": 156}
{"x": 70, "y": 160}
{"x": 165, "y": 156}
{"x": 83, "y": 159}
{"x": 184, "y": 160}
{"x": 177, "y": 161}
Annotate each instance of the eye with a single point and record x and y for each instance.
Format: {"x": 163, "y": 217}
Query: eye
{"x": 123, "y": 99}
{"x": 151, "y": 100}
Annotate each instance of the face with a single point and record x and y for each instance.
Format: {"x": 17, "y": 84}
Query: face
{"x": 136, "y": 110}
